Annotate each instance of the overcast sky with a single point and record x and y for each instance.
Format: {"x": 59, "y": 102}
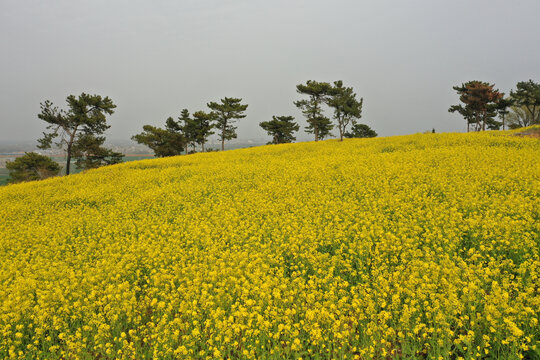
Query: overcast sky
{"x": 154, "y": 58}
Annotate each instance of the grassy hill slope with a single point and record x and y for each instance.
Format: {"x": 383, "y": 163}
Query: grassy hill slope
{"x": 412, "y": 246}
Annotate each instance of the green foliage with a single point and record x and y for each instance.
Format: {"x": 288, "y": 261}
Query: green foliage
{"x": 281, "y": 128}
{"x": 84, "y": 118}
{"x": 347, "y": 109}
{"x": 502, "y": 109}
{"x": 189, "y": 129}
{"x": 318, "y": 93}
{"x": 527, "y": 95}
{"x": 89, "y": 153}
{"x": 361, "y": 131}
{"x": 226, "y": 112}
{"x": 481, "y": 104}
{"x": 164, "y": 142}
{"x": 320, "y": 126}
{"x": 31, "y": 166}
{"x": 203, "y": 125}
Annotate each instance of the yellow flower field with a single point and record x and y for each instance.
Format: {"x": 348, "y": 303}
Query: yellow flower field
{"x": 420, "y": 246}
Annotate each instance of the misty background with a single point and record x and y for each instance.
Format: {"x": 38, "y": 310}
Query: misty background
{"x": 154, "y": 58}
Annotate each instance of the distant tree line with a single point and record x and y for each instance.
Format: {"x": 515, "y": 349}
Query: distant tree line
{"x": 79, "y": 129}
{"x": 484, "y": 107}
{"x": 189, "y": 131}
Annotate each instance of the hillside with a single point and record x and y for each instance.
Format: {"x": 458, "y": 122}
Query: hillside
{"x": 414, "y": 246}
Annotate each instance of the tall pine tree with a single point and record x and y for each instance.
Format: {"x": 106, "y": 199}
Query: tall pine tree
{"x": 189, "y": 129}
{"x": 347, "y": 109}
{"x": 502, "y": 109}
{"x": 480, "y": 104}
{"x": 318, "y": 93}
{"x": 79, "y": 130}
{"x": 203, "y": 125}
{"x": 226, "y": 112}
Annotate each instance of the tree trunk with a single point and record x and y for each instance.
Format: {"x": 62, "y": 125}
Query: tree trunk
{"x": 224, "y": 126}
{"x": 68, "y": 161}
{"x": 202, "y": 145}
{"x": 468, "y": 125}
{"x": 69, "y": 147}
{"x": 503, "y": 121}
{"x": 532, "y": 112}
{"x": 186, "y": 148}
{"x": 316, "y": 132}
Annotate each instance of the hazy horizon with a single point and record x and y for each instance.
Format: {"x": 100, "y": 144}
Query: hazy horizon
{"x": 154, "y": 59}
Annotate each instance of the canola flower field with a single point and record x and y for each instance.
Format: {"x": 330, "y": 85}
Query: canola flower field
{"x": 422, "y": 246}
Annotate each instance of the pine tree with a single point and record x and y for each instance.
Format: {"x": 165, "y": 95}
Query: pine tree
{"x": 203, "y": 125}
{"x": 362, "y": 131}
{"x": 82, "y": 125}
{"x": 527, "y": 95}
{"x": 189, "y": 129}
{"x": 481, "y": 104}
{"x": 323, "y": 125}
{"x": 164, "y": 142}
{"x": 89, "y": 153}
{"x": 347, "y": 109}
{"x": 502, "y": 109}
{"x": 318, "y": 93}
{"x": 281, "y": 128}
{"x": 226, "y": 112}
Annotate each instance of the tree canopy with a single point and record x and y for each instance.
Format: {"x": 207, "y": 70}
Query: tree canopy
{"x": 318, "y": 94}
{"x": 361, "y": 131}
{"x": 347, "y": 109}
{"x": 527, "y": 95}
{"x": 481, "y": 103}
{"x": 79, "y": 129}
{"x": 89, "y": 152}
{"x": 226, "y": 112}
{"x": 203, "y": 125}
{"x": 164, "y": 142}
{"x": 502, "y": 109}
{"x": 31, "y": 166}
{"x": 281, "y": 129}
{"x": 188, "y": 129}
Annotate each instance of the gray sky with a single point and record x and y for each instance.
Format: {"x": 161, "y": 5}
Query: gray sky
{"x": 154, "y": 58}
